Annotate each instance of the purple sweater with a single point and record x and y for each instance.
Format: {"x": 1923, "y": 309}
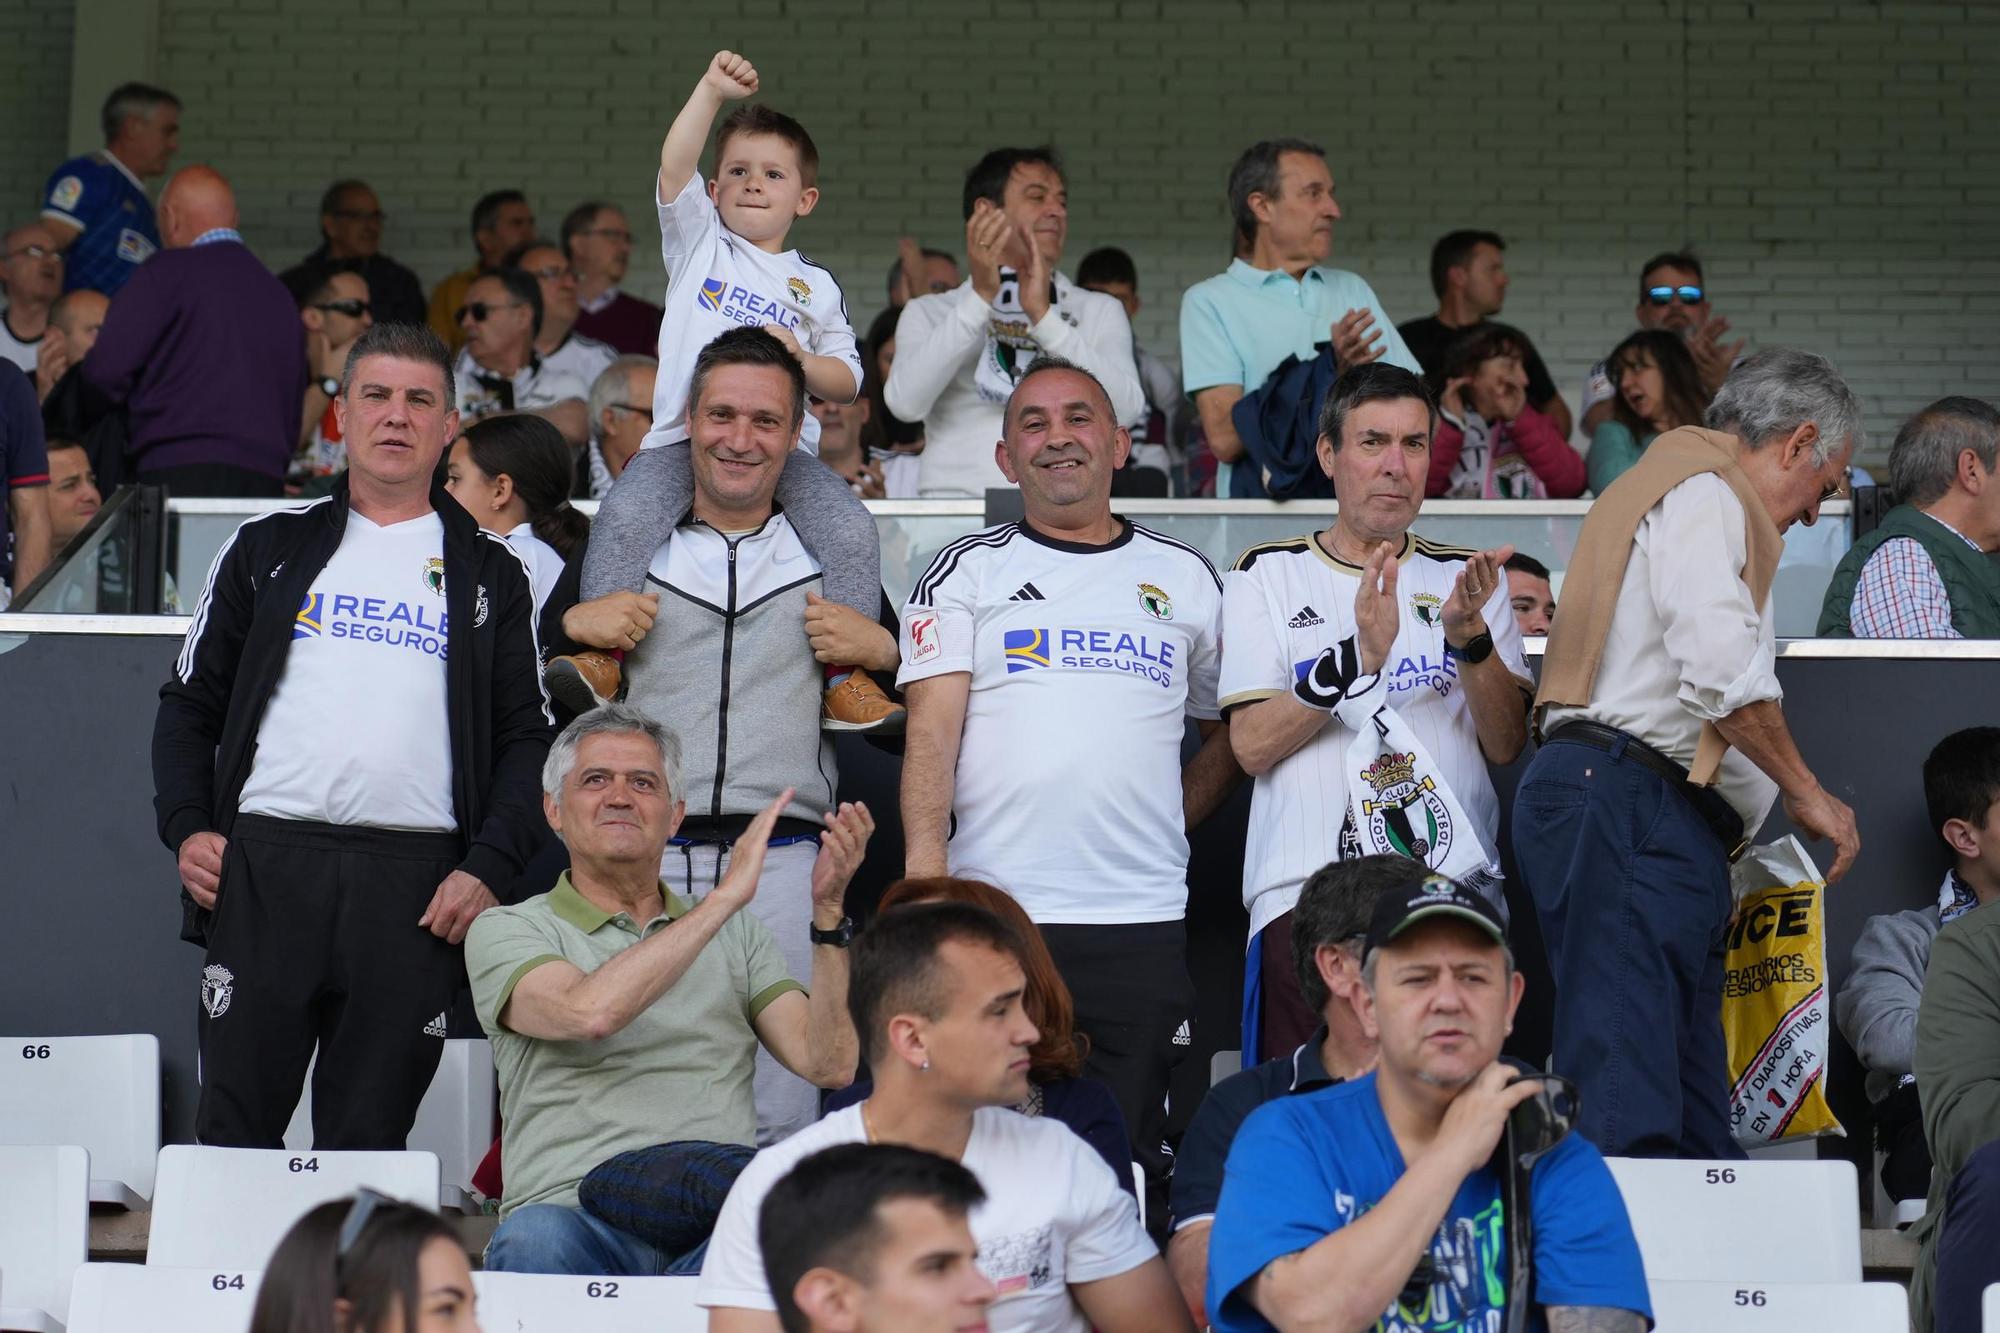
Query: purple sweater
{"x": 205, "y": 349}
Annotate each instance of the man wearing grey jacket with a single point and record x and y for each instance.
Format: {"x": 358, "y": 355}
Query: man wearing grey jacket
{"x": 736, "y": 673}
{"x": 1877, "y": 1005}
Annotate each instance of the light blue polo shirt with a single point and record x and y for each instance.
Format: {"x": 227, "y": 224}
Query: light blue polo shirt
{"x": 1237, "y": 326}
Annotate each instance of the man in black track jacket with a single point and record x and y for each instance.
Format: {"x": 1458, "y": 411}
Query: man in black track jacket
{"x": 347, "y": 765}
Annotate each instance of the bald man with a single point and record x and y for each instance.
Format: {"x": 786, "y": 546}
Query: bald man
{"x": 31, "y": 273}
{"x": 203, "y": 348}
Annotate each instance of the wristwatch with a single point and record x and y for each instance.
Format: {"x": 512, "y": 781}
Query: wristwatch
{"x": 330, "y": 387}
{"x": 839, "y": 937}
{"x": 1473, "y": 653}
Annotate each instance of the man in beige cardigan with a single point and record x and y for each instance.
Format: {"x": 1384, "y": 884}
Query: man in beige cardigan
{"x": 1664, "y": 744}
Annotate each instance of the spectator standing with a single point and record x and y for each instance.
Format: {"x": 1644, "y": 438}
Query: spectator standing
{"x": 97, "y": 203}
{"x": 501, "y": 220}
{"x": 1530, "y": 592}
{"x": 621, "y": 413}
{"x": 920, "y": 271}
{"x": 31, "y": 269}
{"x": 894, "y": 445}
{"x": 936, "y": 999}
{"x": 1673, "y": 295}
{"x": 1927, "y": 570}
{"x": 336, "y": 310}
{"x": 1276, "y": 299}
{"x": 1877, "y": 1005}
{"x": 24, "y": 481}
{"x": 558, "y": 344}
{"x": 1366, "y": 600}
{"x": 498, "y": 371}
{"x": 1469, "y": 276}
{"x": 598, "y": 241}
{"x": 1159, "y": 441}
{"x": 512, "y": 474}
{"x": 624, "y": 1015}
{"x": 345, "y": 754}
{"x": 1657, "y": 388}
{"x": 1377, "y": 1202}
{"x": 350, "y": 227}
{"x": 203, "y": 349}
{"x": 963, "y": 351}
{"x": 1072, "y": 635}
{"x": 868, "y": 1238}
{"x": 1332, "y": 918}
{"x": 1492, "y": 444}
{"x": 1665, "y": 744}
{"x": 73, "y": 496}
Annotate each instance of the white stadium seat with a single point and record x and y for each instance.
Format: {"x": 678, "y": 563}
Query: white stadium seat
{"x": 1743, "y": 1221}
{"x": 227, "y": 1208}
{"x": 1989, "y": 1309}
{"x": 102, "y": 1093}
{"x": 1222, "y": 1064}
{"x": 119, "y": 1298}
{"x": 456, "y": 1120}
{"x": 1742, "y": 1307}
{"x": 44, "y": 1232}
{"x": 545, "y": 1303}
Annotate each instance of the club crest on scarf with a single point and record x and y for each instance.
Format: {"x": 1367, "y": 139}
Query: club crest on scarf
{"x": 1406, "y": 816}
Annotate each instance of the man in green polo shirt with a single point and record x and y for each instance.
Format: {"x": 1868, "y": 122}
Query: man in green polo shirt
{"x": 623, "y": 1016}
{"x": 1927, "y": 571}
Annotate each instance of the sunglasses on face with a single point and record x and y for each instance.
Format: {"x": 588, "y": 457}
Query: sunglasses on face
{"x": 352, "y": 309}
{"x": 481, "y": 311}
{"x": 1666, "y": 295}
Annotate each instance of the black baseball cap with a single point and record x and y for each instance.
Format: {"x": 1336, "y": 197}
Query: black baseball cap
{"x": 1436, "y": 896}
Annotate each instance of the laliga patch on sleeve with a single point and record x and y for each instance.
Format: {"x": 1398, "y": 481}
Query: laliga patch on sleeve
{"x": 67, "y": 192}
{"x": 132, "y": 247}
{"x": 924, "y": 643}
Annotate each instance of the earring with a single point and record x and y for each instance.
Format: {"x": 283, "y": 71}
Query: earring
{"x": 925, "y": 1067}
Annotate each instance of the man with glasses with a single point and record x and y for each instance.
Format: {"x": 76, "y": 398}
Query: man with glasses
{"x": 598, "y": 241}
{"x": 1377, "y": 1199}
{"x": 1672, "y": 295}
{"x": 336, "y": 310}
{"x": 558, "y": 344}
{"x": 350, "y": 224}
{"x": 96, "y": 203}
{"x": 1664, "y": 744}
{"x": 31, "y": 271}
{"x": 498, "y": 369}
{"x": 621, "y": 412}
{"x": 501, "y": 220}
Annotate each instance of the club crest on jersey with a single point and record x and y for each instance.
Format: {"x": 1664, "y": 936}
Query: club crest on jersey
{"x": 1407, "y": 816}
{"x": 218, "y": 985}
{"x": 711, "y": 294}
{"x": 434, "y": 574}
{"x": 310, "y": 622}
{"x": 479, "y": 608}
{"x": 1025, "y": 649}
{"x": 1428, "y": 607}
{"x": 1155, "y": 603}
{"x": 800, "y": 292}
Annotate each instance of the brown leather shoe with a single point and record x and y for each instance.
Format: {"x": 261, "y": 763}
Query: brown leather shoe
{"x": 583, "y": 681}
{"x": 858, "y": 704}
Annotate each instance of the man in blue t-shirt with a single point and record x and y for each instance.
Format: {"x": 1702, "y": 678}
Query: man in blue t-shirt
{"x": 1374, "y": 1204}
{"x": 96, "y": 204}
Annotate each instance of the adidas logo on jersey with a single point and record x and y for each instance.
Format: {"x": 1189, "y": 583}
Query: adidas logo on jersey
{"x": 435, "y": 1028}
{"x": 1183, "y": 1037}
{"x": 1306, "y": 619}
{"x": 1028, "y": 592}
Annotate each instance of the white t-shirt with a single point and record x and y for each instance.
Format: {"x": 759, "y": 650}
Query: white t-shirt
{"x": 719, "y": 281}
{"x": 1054, "y": 1216}
{"x": 1284, "y": 603}
{"x": 899, "y": 474}
{"x": 544, "y": 562}
{"x": 1085, "y": 661}
{"x": 357, "y": 730}
{"x": 540, "y": 383}
{"x": 585, "y": 358}
{"x": 24, "y": 353}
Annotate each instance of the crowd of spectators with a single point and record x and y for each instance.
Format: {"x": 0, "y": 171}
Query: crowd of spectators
{"x": 698, "y": 1051}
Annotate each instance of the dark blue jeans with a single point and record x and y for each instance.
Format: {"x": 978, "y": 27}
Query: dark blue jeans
{"x": 1967, "y": 1259}
{"x": 1632, "y": 891}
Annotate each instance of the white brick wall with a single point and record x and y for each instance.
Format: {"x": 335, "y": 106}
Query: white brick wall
{"x": 35, "y": 37}
{"x": 1833, "y": 162}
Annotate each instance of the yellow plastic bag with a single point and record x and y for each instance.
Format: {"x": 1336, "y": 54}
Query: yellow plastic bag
{"x": 1776, "y": 1012}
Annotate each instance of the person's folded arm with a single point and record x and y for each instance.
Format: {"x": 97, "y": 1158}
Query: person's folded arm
{"x": 1549, "y": 457}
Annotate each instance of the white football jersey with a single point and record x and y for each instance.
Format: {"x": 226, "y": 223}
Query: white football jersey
{"x": 1085, "y": 663}
{"x": 1284, "y": 603}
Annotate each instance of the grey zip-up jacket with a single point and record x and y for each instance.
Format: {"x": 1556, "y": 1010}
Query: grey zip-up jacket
{"x": 1876, "y": 1006}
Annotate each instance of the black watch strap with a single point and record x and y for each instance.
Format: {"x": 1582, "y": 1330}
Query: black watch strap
{"x": 1473, "y": 653}
{"x": 839, "y": 937}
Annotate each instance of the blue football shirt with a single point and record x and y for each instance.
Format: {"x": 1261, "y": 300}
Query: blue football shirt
{"x": 1304, "y": 1166}
{"x": 96, "y": 194}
